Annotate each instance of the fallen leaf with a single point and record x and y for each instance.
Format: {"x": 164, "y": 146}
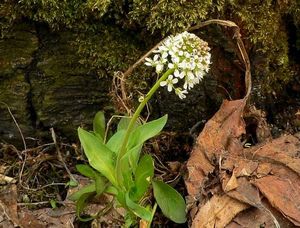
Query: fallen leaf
{"x": 252, "y": 217}
{"x": 263, "y": 169}
{"x": 244, "y": 192}
{"x": 218, "y": 212}
{"x": 6, "y": 180}
{"x": 198, "y": 168}
{"x": 282, "y": 195}
{"x": 231, "y": 184}
{"x": 282, "y": 150}
{"x": 8, "y": 205}
{"x": 219, "y": 132}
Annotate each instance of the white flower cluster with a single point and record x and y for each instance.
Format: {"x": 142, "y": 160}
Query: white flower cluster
{"x": 188, "y": 55}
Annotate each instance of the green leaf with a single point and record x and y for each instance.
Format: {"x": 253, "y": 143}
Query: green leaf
{"x": 53, "y": 203}
{"x": 138, "y": 210}
{"x": 91, "y": 188}
{"x": 130, "y": 221}
{"x": 111, "y": 190}
{"x": 100, "y": 157}
{"x": 126, "y": 171}
{"x": 143, "y": 175}
{"x": 170, "y": 201}
{"x": 147, "y": 131}
{"x": 133, "y": 156}
{"x": 72, "y": 183}
{"x": 80, "y": 205}
{"x": 115, "y": 142}
{"x": 121, "y": 199}
{"x": 99, "y": 124}
{"x": 128, "y": 164}
{"x": 100, "y": 183}
{"x": 86, "y": 170}
{"x": 124, "y": 122}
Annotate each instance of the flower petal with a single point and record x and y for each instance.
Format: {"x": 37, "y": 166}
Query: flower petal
{"x": 175, "y": 80}
{"x": 163, "y": 83}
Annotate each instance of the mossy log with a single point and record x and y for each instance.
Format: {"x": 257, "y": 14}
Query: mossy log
{"x": 57, "y": 59}
{"x": 44, "y": 86}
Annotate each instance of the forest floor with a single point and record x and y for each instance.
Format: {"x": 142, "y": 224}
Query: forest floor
{"x": 233, "y": 174}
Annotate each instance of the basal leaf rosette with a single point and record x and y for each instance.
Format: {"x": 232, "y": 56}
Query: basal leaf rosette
{"x": 188, "y": 56}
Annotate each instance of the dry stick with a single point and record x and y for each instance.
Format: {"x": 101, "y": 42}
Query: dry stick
{"x": 115, "y": 90}
{"x": 15, "y": 223}
{"x": 24, "y": 143}
{"x": 131, "y": 68}
{"x": 37, "y": 148}
{"x": 240, "y": 44}
{"x": 60, "y": 158}
{"x": 17, "y": 125}
{"x": 42, "y": 202}
{"x": 109, "y": 123}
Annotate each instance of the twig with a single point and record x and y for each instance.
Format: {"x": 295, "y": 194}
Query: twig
{"x": 109, "y": 123}
{"x": 7, "y": 215}
{"x": 60, "y": 158}
{"x": 38, "y": 147}
{"x": 17, "y": 125}
{"x": 42, "y": 202}
{"x": 117, "y": 81}
{"x": 240, "y": 44}
{"x": 136, "y": 64}
{"x": 241, "y": 47}
{"x": 24, "y": 144}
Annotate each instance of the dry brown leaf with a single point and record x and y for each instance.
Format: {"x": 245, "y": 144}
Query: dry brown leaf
{"x": 29, "y": 220}
{"x": 227, "y": 124}
{"x": 271, "y": 168}
{"x": 239, "y": 165}
{"x": 218, "y": 212}
{"x": 263, "y": 169}
{"x": 53, "y": 218}
{"x": 283, "y": 150}
{"x": 8, "y": 205}
{"x": 198, "y": 168}
{"x": 282, "y": 195}
{"x": 221, "y": 131}
{"x": 245, "y": 192}
{"x": 252, "y": 217}
{"x": 231, "y": 184}
{"x": 6, "y": 180}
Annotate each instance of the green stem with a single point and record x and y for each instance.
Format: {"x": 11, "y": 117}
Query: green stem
{"x": 152, "y": 215}
{"x": 135, "y": 116}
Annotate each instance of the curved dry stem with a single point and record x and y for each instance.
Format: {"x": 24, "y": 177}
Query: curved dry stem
{"x": 240, "y": 44}
{"x": 237, "y": 36}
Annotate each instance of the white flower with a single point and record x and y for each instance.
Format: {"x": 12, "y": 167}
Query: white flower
{"x": 180, "y": 93}
{"x": 150, "y": 62}
{"x": 189, "y": 58}
{"x": 169, "y": 82}
{"x": 159, "y": 68}
{"x": 178, "y": 74}
{"x": 171, "y": 65}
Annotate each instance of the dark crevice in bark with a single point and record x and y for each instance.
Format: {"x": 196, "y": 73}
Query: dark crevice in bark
{"x": 28, "y": 71}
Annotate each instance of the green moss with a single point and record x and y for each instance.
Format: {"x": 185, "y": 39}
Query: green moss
{"x": 169, "y": 16}
{"x": 108, "y": 50}
{"x": 14, "y": 92}
{"x": 265, "y": 34}
{"x": 113, "y": 34}
{"x": 17, "y": 50}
